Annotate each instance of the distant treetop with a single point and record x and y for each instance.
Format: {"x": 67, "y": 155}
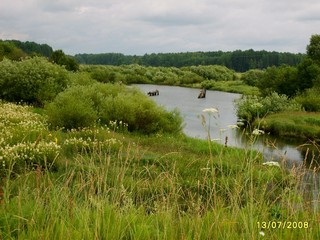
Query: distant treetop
{"x": 238, "y": 60}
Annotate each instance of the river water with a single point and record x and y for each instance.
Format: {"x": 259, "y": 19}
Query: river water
{"x": 219, "y": 126}
{"x": 221, "y": 123}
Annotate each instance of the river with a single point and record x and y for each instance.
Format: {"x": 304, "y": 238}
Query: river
{"x": 191, "y": 108}
{"x": 291, "y": 153}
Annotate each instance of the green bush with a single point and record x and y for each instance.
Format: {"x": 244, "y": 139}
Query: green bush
{"x": 71, "y": 109}
{"x": 214, "y": 72}
{"x": 33, "y": 80}
{"x": 251, "y": 107}
{"x": 310, "y": 100}
{"x": 252, "y": 77}
{"x": 82, "y": 106}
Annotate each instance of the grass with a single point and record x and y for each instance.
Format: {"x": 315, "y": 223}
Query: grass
{"x": 236, "y": 86}
{"x": 105, "y": 184}
{"x": 303, "y": 125}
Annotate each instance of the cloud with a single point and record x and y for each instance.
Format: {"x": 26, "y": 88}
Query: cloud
{"x": 146, "y": 26}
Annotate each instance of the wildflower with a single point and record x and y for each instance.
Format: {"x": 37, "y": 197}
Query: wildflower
{"x": 257, "y": 132}
{"x": 216, "y": 139}
{"x": 210, "y": 110}
{"x": 262, "y": 233}
{"x": 271, "y": 163}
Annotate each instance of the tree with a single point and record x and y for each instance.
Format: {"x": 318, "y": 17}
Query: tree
{"x": 10, "y": 51}
{"x": 60, "y": 58}
{"x": 313, "y": 49}
{"x": 283, "y": 80}
{"x": 308, "y": 74}
{"x": 33, "y": 80}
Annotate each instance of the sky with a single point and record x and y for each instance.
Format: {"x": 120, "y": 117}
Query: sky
{"x": 137, "y": 27}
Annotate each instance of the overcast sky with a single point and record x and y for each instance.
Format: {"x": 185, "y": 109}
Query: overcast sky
{"x": 153, "y": 26}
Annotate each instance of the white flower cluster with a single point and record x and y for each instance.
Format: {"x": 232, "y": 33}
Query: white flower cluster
{"x": 27, "y": 152}
{"x": 89, "y": 143}
{"x": 271, "y": 163}
{"x": 210, "y": 110}
{"x": 118, "y": 125}
{"x": 16, "y": 121}
{"x": 257, "y": 132}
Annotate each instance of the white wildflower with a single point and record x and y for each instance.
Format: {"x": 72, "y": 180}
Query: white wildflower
{"x": 271, "y": 163}
{"x": 232, "y": 126}
{"x": 262, "y": 233}
{"x": 210, "y": 110}
{"x": 257, "y": 132}
{"x": 216, "y": 139}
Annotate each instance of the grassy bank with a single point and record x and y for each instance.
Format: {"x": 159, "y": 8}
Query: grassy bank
{"x": 105, "y": 183}
{"x": 303, "y": 125}
{"x": 236, "y": 86}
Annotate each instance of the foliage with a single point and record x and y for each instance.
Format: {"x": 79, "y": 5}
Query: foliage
{"x": 308, "y": 74}
{"x": 302, "y": 125}
{"x": 313, "y": 49}
{"x": 238, "y": 60}
{"x": 310, "y": 99}
{"x": 22, "y": 146}
{"x": 251, "y": 107}
{"x": 186, "y": 76}
{"x": 214, "y": 72}
{"x": 252, "y": 77}
{"x": 32, "y": 80}
{"x": 230, "y": 86}
{"x": 283, "y": 80}
{"x": 72, "y": 109}
{"x": 32, "y": 48}
{"x": 82, "y": 106}
{"x": 10, "y": 51}
{"x": 61, "y": 59}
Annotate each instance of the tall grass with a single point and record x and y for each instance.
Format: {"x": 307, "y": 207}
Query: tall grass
{"x": 304, "y": 125}
{"x": 153, "y": 187}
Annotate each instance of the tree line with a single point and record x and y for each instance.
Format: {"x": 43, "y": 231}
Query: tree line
{"x": 17, "y": 50}
{"x": 238, "y": 60}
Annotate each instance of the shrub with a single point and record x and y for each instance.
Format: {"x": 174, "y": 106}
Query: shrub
{"x": 252, "y": 77}
{"x": 214, "y": 72}
{"x": 82, "y": 106}
{"x": 72, "y": 109}
{"x": 251, "y": 107}
{"x": 310, "y": 100}
{"x": 33, "y": 80}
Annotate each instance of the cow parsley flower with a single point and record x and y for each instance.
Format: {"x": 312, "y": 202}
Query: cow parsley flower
{"x": 271, "y": 163}
{"x": 210, "y": 110}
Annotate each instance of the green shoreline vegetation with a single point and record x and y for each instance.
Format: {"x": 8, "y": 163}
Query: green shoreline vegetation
{"x": 82, "y": 156}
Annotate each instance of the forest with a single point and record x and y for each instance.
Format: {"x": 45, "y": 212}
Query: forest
{"x": 238, "y": 60}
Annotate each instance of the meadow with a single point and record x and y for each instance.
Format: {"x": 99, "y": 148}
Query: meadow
{"x": 105, "y": 182}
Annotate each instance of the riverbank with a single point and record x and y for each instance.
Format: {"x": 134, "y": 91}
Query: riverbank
{"x": 235, "y": 86}
{"x": 106, "y": 183}
{"x": 301, "y": 125}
